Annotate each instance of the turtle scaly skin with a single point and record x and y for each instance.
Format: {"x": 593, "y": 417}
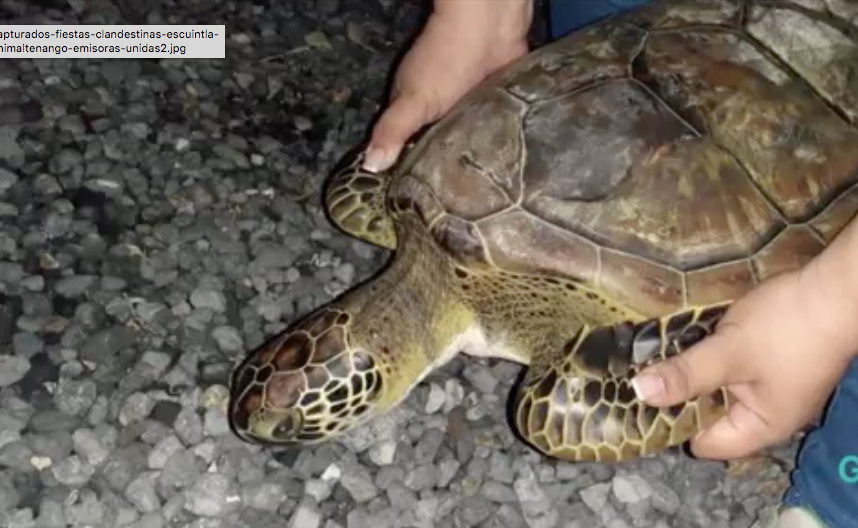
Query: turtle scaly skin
{"x": 356, "y": 200}
{"x": 591, "y": 209}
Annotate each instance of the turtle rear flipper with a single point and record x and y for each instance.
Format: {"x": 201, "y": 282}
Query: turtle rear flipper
{"x": 582, "y": 407}
{"x": 355, "y": 200}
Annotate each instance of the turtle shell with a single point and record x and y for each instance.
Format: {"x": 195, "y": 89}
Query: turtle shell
{"x": 674, "y": 156}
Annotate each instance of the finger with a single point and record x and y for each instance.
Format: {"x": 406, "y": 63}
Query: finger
{"x": 405, "y": 115}
{"x": 700, "y": 370}
{"x": 741, "y": 433}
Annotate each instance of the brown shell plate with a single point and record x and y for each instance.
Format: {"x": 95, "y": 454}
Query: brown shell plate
{"x": 673, "y": 157}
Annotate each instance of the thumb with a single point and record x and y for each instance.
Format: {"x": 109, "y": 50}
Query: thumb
{"x": 405, "y": 115}
{"x": 702, "y": 369}
{"x": 742, "y": 433}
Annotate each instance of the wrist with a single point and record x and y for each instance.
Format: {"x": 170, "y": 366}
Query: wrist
{"x": 831, "y": 281}
{"x": 509, "y": 20}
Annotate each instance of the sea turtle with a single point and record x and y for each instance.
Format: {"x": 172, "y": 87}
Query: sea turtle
{"x": 592, "y": 208}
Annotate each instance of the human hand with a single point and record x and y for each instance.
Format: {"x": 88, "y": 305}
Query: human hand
{"x": 780, "y": 350}
{"x": 457, "y": 49}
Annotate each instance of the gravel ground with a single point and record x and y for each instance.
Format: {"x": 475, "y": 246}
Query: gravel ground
{"x": 159, "y": 218}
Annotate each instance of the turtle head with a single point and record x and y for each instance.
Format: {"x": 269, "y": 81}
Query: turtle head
{"x": 306, "y": 385}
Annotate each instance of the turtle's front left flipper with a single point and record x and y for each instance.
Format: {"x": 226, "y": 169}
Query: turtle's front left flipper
{"x": 355, "y": 200}
{"x": 583, "y": 407}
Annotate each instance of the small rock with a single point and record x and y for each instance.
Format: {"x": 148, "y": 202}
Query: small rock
{"x": 13, "y": 369}
{"x": 263, "y": 495}
{"x": 358, "y": 483}
{"x": 88, "y": 445}
{"x": 228, "y": 339}
{"x": 203, "y": 297}
{"x": 135, "y": 408}
{"x": 435, "y": 399}
{"x": 74, "y": 286}
{"x": 72, "y": 471}
{"x": 596, "y": 496}
{"x": 7, "y": 180}
{"x": 306, "y": 515}
{"x": 211, "y": 496}
{"x": 75, "y": 397}
{"x": 481, "y": 377}
{"x": 142, "y": 494}
{"x": 163, "y": 450}
{"x": 631, "y": 488}
{"x": 107, "y": 343}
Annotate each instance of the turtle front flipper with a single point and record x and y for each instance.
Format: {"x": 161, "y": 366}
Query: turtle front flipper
{"x": 355, "y": 200}
{"x": 582, "y": 406}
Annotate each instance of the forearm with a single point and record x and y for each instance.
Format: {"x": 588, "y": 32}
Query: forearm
{"x": 510, "y": 18}
{"x": 832, "y": 283}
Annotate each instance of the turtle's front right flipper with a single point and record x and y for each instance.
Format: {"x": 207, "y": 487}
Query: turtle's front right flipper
{"x": 582, "y": 407}
{"x": 355, "y": 200}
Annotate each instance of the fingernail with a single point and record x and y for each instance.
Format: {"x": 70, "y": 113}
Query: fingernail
{"x": 647, "y": 386}
{"x": 375, "y": 160}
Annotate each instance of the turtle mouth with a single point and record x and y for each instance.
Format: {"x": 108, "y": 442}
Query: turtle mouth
{"x": 273, "y": 428}
{"x": 288, "y": 428}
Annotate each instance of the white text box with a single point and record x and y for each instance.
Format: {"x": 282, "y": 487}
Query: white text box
{"x": 109, "y": 41}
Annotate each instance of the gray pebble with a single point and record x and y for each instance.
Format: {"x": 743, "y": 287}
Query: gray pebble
{"x": 536, "y": 505}
{"x": 500, "y": 467}
{"x": 596, "y": 496}
{"x": 107, "y": 343}
{"x": 263, "y": 495}
{"x": 447, "y": 469}
{"x": 306, "y": 515}
{"x": 319, "y": 489}
{"x": 74, "y": 286}
{"x": 631, "y": 488}
{"x": 25, "y": 345}
{"x": 7, "y": 180}
{"x": 215, "y": 422}
{"x": 163, "y": 450}
{"x": 87, "y": 511}
{"x": 136, "y": 407}
{"x": 9, "y": 496}
{"x": 189, "y": 426}
{"x": 7, "y": 436}
{"x": 88, "y": 445}
{"x": 481, "y": 377}
{"x": 228, "y": 339}
{"x": 50, "y": 421}
{"x": 13, "y": 369}
{"x": 51, "y": 514}
{"x": 428, "y": 445}
{"x": 151, "y": 520}
{"x": 16, "y": 455}
{"x": 72, "y": 471}
{"x": 75, "y": 397}
{"x": 33, "y": 283}
{"x": 55, "y": 445}
{"x": 357, "y": 481}
{"x": 211, "y": 496}
{"x": 664, "y": 498}
{"x": 345, "y": 273}
{"x": 142, "y": 494}
{"x": 422, "y": 477}
{"x": 181, "y": 469}
{"x": 204, "y": 297}
{"x": 498, "y": 492}
{"x": 153, "y": 364}
{"x": 435, "y": 398}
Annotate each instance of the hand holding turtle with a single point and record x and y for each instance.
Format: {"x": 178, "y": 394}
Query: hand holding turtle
{"x": 462, "y": 44}
{"x": 780, "y": 350}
